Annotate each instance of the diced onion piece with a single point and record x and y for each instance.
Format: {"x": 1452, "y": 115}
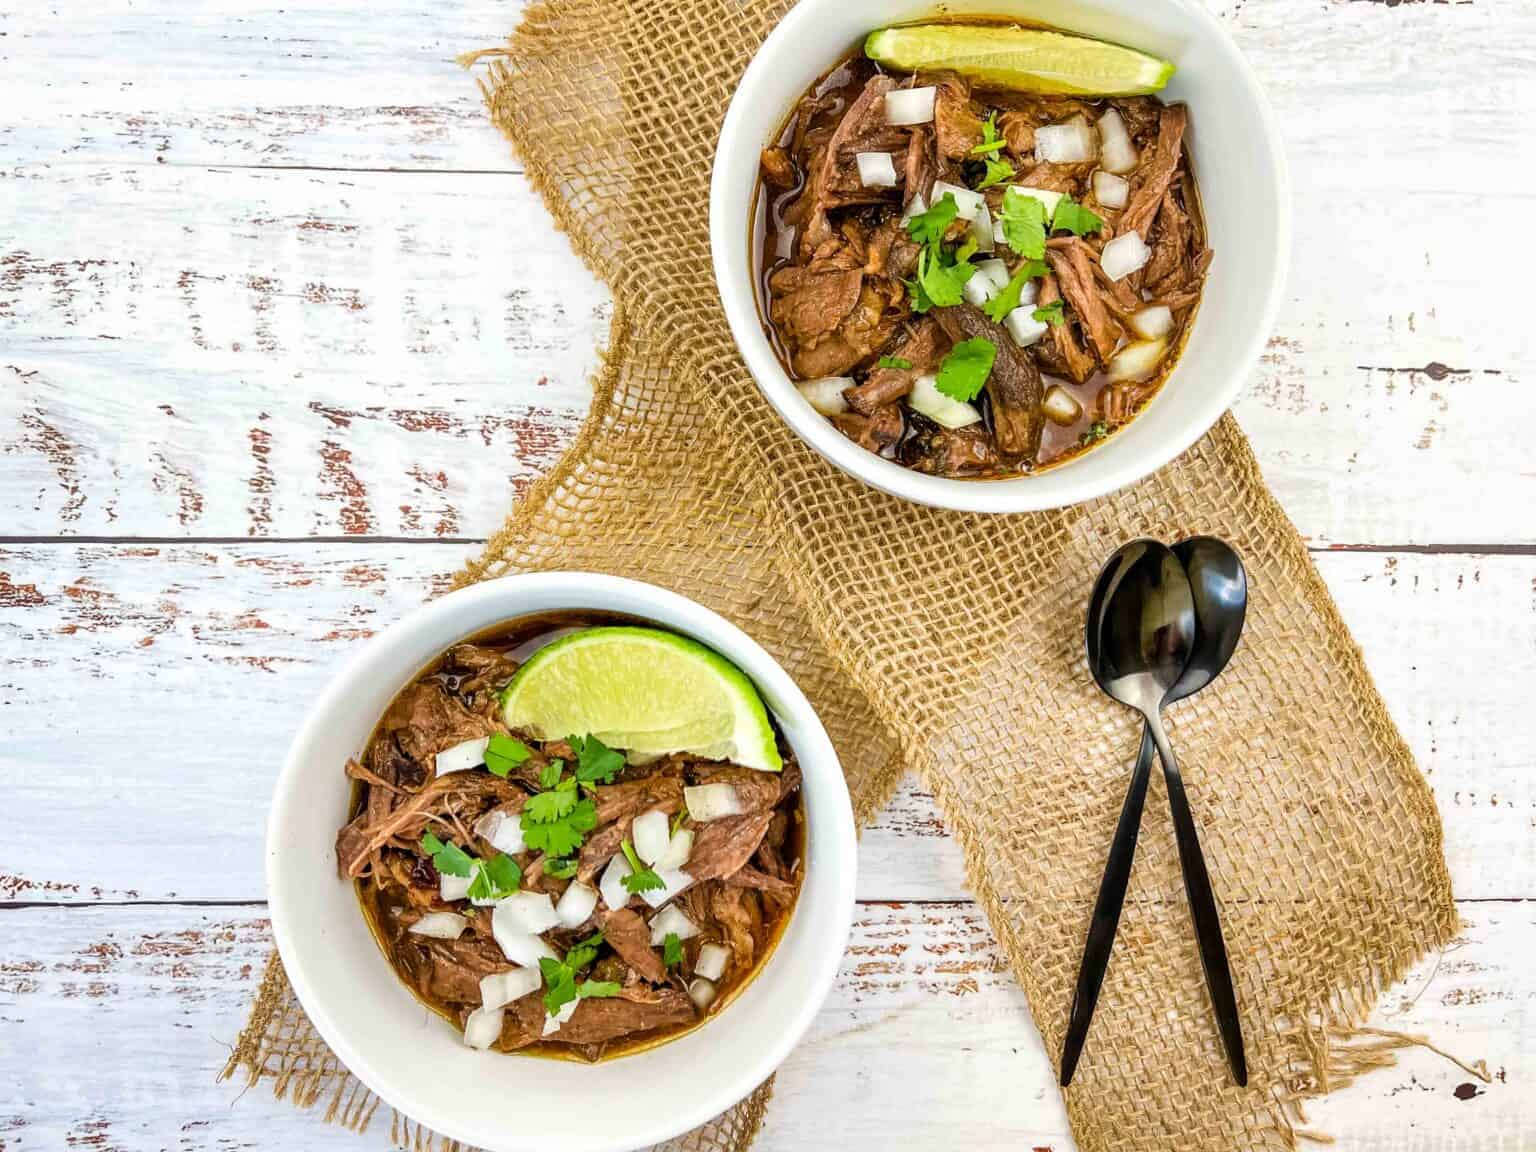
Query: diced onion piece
{"x": 671, "y": 921}
{"x": 981, "y": 230}
{"x": 452, "y": 888}
{"x": 1069, "y": 143}
{"x": 1023, "y": 327}
{"x": 552, "y": 1023}
{"x": 702, "y": 993}
{"x": 440, "y": 926}
{"x": 968, "y": 204}
{"x": 994, "y": 270}
{"x": 876, "y": 169}
{"x": 1137, "y": 361}
{"x": 1048, "y": 200}
{"x": 611, "y": 886}
{"x": 1153, "y": 323}
{"x": 941, "y": 409}
{"x": 501, "y": 988}
{"x": 712, "y": 801}
{"x": 979, "y": 289}
{"x": 1060, "y": 407}
{"x": 1123, "y": 255}
{"x": 519, "y": 948}
{"x": 1117, "y": 152}
{"x": 679, "y": 848}
{"x": 577, "y": 903}
{"x": 482, "y": 1027}
{"x": 673, "y": 884}
{"x": 650, "y": 835}
{"x": 530, "y": 912}
{"x": 1110, "y": 190}
{"x": 826, "y": 394}
{"x": 712, "y": 961}
{"x": 503, "y": 831}
{"x": 462, "y": 757}
{"x": 915, "y": 207}
{"x": 910, "y": 106}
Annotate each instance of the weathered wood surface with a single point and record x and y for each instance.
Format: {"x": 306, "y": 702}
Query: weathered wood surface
{"x": 283, "y": 330}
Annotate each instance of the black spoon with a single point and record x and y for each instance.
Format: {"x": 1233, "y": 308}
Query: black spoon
{"x": 1218, "y": 591}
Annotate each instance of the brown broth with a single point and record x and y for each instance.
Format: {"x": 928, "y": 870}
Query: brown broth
{"x": 508, "y": 637}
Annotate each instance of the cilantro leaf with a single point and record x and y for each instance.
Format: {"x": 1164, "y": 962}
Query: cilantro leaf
{"x": 943, "y": 278}
{"x": 600, "y": 988}
{"x": 449, "y": 859}
{"x": 549, "y": 775}
{"x": 560, "y": 869}
{"x": 596, "y": 763}
{"x": 1074, "y": 218}
{"x": 505, "y": 753}
{"x": 671, "y": 950}
{"x": 1008, "y": 299}
{"x": 1050, "y": 313}
{"x": 677, "y": 821}
{"x": 997, "y": 172}
{"x": 1023, "y": 219}
{"x": 899, "y": 362}
{"x": 1096, "y": 431}
{"x": 990, "y": 140}
{"x": 563, "y": 835}
{"x": 929, "y": 227}
{"x": 963, "y": 373}
{"x": 583, "y": 953}
{"x": 559, "y": 984}
{"x": 495, "y": 878}
{"x": 642, "y": 879}
{"x": 547, "y": 807}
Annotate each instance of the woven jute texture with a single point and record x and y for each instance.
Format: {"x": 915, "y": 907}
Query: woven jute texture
{"x": 952, "y": 645}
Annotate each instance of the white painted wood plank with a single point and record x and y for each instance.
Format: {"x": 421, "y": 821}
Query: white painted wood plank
{"x": 923, "y": 1023}
{"x": 148, "y": 694}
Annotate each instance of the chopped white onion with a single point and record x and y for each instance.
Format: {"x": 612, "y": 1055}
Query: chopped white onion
{"x": 712, "y": 801}
{"x": 981, "y": 230}
{"x": 1137, "y": 361}
{"x": 1110, "y": 190}
{"x": 673, "y": 883}
{"x": 1069, "y": 143}
{"x": 702, "y": 993}
{"x": 502, "y": 830}
{"x": 1123, "y": 255}
{"x": 530, "y": 912}
{"x": 671, "y": 921}
{"x": 577, "y": 903}
{"x": 452, "y": 888}
{"x": 1048, "y": 200}
{"x": 1023, "y": 326}
{"x": 915, "y": 207}
{"x": 941, "y": 409}
{"x": 826, "y": 393}
{"x": 501, "y": 988}
{"x": 482, "y": 1027}
{"x": 679, "y": 848}
{"x": 440, "y": 926}
{"x": 1060, "y": 407}
{"x": 611, "y": 886}
{"x": 1118, "y": 154}
{"x": 994, "y": 270}
{"x": 462, "y": 757}
{"x": 910, "y": 106}
{"x": 520, "y": 948}
{"x": 712, "y": 961}
{"x": 1153, "y": 323}
{"x": 650, "y": 835}
{"x": 979, "y": 289}
{"x": 552, "y": 1023}
{"x": 968, "y": 204}
{"x": 876, "y": 169}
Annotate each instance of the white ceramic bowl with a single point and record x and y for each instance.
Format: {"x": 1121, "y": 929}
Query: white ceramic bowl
{"x": 1239, "y": 164}
{"x": 415, "y": 1060}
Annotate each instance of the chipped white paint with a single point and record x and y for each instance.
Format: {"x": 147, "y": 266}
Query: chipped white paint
{"x": 265, "y": 272}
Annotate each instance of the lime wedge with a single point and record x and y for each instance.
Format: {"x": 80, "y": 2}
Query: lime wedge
{"x": 644, "y": 691}
{"x": 1026, "y": 59}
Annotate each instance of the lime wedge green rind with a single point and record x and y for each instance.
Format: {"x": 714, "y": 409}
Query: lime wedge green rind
{"x": 642, "y": 690}
{"x": 1023, "y": 59}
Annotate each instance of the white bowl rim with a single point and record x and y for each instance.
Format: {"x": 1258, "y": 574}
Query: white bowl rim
{"x": 579, "y": 590}
{"x": 990, "y": 496}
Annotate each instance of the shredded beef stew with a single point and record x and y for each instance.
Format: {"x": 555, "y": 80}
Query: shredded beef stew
{"x": 985, "y": 293}
{"x": 502, "y": 874}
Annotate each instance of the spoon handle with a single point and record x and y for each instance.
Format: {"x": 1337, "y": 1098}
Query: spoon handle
{"x": 1202, "y": 906}
{"x": 1106, "y": 911}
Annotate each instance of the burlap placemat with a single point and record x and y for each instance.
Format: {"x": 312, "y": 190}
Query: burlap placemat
{"x": 951, "y": 644}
